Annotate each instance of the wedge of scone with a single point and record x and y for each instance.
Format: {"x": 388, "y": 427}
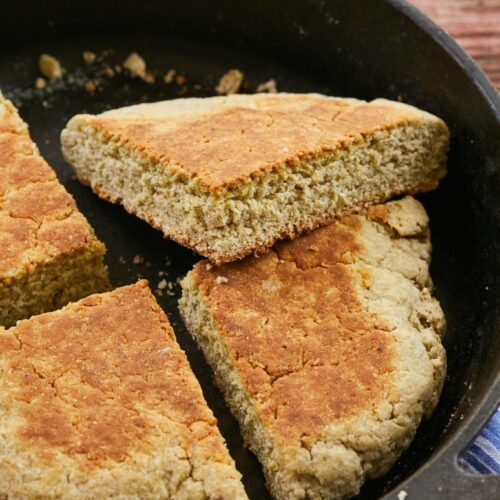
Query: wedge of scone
{"x": 228, "y": 176}
{"x": 327, "y": 348}
{"x": 97, "y": 400}
{"x": 49, "y": 254}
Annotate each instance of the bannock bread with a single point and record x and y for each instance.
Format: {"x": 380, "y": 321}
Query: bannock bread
{"x": 327, "y": 348}
{"x": 98, "y": 401}
{"x": 228, "y": 176}
{"x": 49, "y": 254}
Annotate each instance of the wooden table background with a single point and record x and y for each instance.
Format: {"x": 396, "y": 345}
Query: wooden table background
{"x": 475, "y": 25}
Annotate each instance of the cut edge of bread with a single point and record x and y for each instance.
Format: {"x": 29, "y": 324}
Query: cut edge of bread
{"x": 337, "y": 464}
{"x": 282, "y": 201}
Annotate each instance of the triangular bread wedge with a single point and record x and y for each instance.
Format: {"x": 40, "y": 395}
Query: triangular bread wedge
{"x": 327, "y": 348}
{"x": 97, "y": 400}
{"x": 228, "y": 176}
{"x": 49, "y": 254}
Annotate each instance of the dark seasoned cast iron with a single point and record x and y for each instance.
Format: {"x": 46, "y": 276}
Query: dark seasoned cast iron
{"x": 360, "y": 48}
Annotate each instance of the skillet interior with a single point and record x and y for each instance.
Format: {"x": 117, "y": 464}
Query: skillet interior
{"x": 362, "y": 49}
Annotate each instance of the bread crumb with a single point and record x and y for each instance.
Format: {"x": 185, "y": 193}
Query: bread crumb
{"x": 136, "y": 65}
{"x": 230, "y": 82}
{"x": 402, "y": 495}
{"x": 90, "y": 87}
{"x": 208, "y": 266}
{"x": 269, "y": 86}
{"x": 162, "y": 284}
{"x": 40, "y": 83}
{"x": 169, "y": 76}
{"x": 89, "y": 57}
{"x": 108, "y": 72}
{"x": 221, "y": 279}
{"x": 50, "y": 67}
{"x": 138, "y": 259}
{"x": 150, "y": 77}
{"x": 180, "y": 79}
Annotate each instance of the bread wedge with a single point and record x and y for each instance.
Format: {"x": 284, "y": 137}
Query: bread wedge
{"x": 49, "y": 254}
{"x": 229, "y": 176}
{"x": 327, "y": 348}
{"x": 98, "y": 401}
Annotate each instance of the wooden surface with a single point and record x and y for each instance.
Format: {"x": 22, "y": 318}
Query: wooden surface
{"x": 475, "y": 24}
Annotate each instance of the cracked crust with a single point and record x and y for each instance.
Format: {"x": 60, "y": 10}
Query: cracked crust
{"x": 228, "y": 176}
{"x": 98, "y": 401}
{"x": 327, "y": 348}
{"x": 49, "y": 254}
{"x": 229, "y": 140}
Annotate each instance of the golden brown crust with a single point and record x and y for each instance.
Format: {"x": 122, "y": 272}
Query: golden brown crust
{"x": 327, "y": 348}
{"x": 224, "y": 147}
{"x": 302, "y": 292}
{"x": 82, "y": 373}
{"x": 39, "y": 220}
{"x": 97, "y": 386}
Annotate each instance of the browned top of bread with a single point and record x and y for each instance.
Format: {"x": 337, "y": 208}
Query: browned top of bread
{"x": 39, "y": 220}
{"x": 310, "y": 335}
{"x": 99, "y": 385}
{"x": 321, "y": 331}
{"x": 82, "y": 373}
{"x": 222, "y": 141}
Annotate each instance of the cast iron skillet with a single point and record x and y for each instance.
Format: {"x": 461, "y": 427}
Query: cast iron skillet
{"x": 362, "y": 48}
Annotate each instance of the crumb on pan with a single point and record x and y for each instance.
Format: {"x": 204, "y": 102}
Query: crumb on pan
{"x": 149, "y": 77}
{"x": 138, "y": 259}
{"x": 230, "y": 82}
{"x": 269, "y": 86}
{"x": 135, "y": 65}
{"x": 90, "y": 86}
{"x": 180, "y": 80}
{"x": 169, "y": 76}
{"x": 108, "y": 72}
{"x": 40, "y": 83}
{"x": 50, "y": 67}
{"x": 89, "y": 57}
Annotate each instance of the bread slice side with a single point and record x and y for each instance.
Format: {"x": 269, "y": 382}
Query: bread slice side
{"x": 268, "y": 339}
{"x": 97, "y": 400}
{"x": 49, "y": 254}
{"x": 361, "y": 155}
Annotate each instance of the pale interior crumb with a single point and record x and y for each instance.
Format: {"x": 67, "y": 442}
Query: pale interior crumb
{"x": 283, "y": 201}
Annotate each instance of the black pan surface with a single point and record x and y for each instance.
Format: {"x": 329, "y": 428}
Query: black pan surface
{"x": 361, "y": 48}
